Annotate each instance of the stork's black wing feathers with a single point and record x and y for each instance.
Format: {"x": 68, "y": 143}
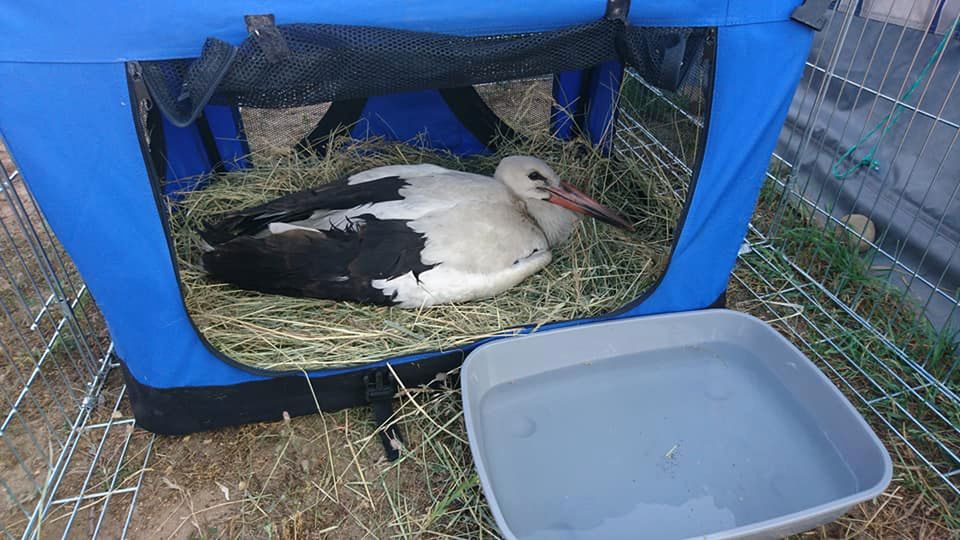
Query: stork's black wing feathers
{"x": 336, "y": 264}
{"x": 337, "y": 195}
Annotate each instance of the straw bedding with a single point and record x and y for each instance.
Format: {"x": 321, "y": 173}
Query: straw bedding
{"x": 598, "y": 270}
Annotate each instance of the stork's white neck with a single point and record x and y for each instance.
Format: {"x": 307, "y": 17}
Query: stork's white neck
{"x": 555, "y": 221}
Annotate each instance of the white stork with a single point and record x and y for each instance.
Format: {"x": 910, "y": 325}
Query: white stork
{"x": 406, "y": 235}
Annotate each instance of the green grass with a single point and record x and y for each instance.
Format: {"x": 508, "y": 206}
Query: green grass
{"x": 831, "y": 258}
{"x": 864, "y": 362}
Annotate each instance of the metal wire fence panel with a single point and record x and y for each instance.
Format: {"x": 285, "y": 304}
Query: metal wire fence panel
{"x": 55, "y": 360}
{"x": 870, "y": 159}
{"x": 854, "y": 252}
{"x": 870, "y": 149}
{"x": 873, "y": 373}
{"x": 873, "y": 300}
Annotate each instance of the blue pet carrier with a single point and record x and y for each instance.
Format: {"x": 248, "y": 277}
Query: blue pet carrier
{"x": 77, "y": 77}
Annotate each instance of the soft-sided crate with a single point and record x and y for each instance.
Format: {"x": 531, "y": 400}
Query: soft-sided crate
{"x": 77, "y": 77}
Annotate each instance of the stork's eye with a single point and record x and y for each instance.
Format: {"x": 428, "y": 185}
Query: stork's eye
{"x": 537, "y": 176}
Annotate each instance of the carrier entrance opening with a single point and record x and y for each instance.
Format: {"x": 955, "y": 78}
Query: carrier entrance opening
{"x": 276, "y": 151}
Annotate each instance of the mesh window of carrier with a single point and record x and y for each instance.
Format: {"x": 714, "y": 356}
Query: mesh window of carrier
{"x": 283, "y": 113}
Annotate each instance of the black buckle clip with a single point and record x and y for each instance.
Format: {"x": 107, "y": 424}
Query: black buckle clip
{"x": 268, "y": 37}
{"x": 379, "y": 393}
{"x": 378, "y": 386}
{"x": 617, "y": 9}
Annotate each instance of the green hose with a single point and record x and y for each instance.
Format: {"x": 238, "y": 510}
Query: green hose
{"x": 888, "y": 121}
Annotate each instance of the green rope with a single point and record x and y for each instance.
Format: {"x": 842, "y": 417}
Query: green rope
{"x": 887, "y": 122}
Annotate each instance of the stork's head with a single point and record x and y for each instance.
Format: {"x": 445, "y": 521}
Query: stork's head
{"x": 534, "y": 181}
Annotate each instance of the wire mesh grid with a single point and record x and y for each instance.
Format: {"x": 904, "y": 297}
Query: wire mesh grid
{"x": 874, "y": 85}
{"x": 880, "y": 83}
{"x": 73, "y": 462}
{"x": 70, "y": 461}
{"x": 864, "y": 297}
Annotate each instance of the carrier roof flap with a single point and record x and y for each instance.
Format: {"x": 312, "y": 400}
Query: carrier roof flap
{"x": 104, "y": 31}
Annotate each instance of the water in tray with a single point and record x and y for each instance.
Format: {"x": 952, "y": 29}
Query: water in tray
{"x": 684, "y": 442}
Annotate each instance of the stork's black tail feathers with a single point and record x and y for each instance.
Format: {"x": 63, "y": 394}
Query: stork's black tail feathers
{"x": 339, "y": 264}
{"x": 301, "y": 205}
{"x": 245, "y": 222}
{"x": 336, "y": 264}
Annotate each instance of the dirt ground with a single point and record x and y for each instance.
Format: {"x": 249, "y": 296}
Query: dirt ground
{"x": 321, "y": 477}
{"x": 31, "y": 332}
{"x": 324, "y": 476}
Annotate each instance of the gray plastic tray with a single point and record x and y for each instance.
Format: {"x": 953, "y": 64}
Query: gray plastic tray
{"x": 697, "y": 424}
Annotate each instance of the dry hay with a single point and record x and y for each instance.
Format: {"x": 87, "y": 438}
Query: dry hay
{"x": 598, "y": 270}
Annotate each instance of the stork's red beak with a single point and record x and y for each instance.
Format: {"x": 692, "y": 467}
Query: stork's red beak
{"x": 572, "y": 198}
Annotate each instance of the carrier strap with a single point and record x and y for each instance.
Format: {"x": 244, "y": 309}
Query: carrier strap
{"x": 812, "y": 13}
{"x": 209, "y": 144}
{"x": 380, "y": 392}
{"x": 341, "y": 115}
{"x": 476, "y": 116}
{"x": 264, "y": 30}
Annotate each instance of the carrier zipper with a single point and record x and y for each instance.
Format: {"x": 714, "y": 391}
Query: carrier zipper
{"x": 135, "y": 71}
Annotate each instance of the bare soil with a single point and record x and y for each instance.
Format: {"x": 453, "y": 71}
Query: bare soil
{"x": 324, "y": 476}
{"x": 281, "y": 484}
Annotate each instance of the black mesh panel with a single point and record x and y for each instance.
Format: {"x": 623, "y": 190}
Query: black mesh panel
{"x": 663, "y": 56}
{"x": 326, "y": 63}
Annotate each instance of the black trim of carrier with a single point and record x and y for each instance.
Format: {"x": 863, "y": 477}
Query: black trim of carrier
{"x": 188, "y": 409}
{"x": 341, "y": 115}
{"x": 477, "y": 117}
{"x": 709, "y": 51}
{"x": 154, "y": 127}
{"x": 182, "y": 410}
{"x": 464, "y": 102}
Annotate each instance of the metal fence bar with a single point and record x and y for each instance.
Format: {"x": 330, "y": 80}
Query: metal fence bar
{"x": 835, "y": 222}
{"x": 74, "y": 362}
{"x": 48, "y": 273}
{"x": 824, "y": 147}
{"x": 86, "y": 480}
{"x": 879, "y": 361}
{"x": 56, "y": 365}
{"x": 849, "y": 386}
{"x": 913, "y": 276}
{"x": 820, "y": 97}
{"x": 832, "y": 16}
{"x": 59, "y": 468}
{"x": 896, "y": 102}
{"x": 891, "y": 382}
{"x": 659, "y": 93}
{"x": 785, "y": 271}
{"x": 923, "y": 148}
{"x": 133, "y": 499}
{"x": 13, "y": 406}
{"x": 37, "y": 372}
